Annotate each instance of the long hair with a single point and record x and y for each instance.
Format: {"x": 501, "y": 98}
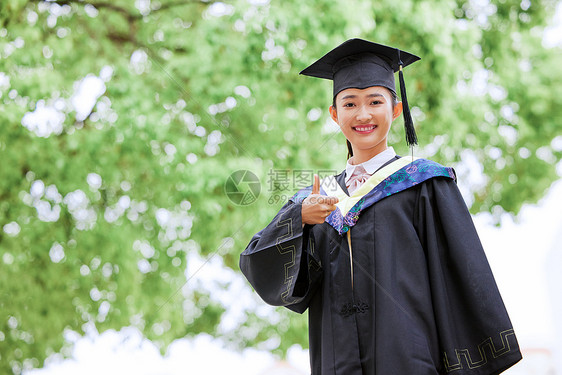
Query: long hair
{"x": 349, "y": 150}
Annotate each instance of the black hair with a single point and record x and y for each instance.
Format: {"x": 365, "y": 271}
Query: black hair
{"x": 349, "y": 148}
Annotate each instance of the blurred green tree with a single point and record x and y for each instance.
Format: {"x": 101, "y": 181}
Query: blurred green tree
{"x": 102, "y": 198}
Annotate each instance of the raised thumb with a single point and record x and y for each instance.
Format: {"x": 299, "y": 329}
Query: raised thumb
{"x": 316, "y": 185}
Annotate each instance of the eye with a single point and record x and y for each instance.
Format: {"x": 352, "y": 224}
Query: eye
{"x": 375, "y": 102}
{"x": 349, "y": 105}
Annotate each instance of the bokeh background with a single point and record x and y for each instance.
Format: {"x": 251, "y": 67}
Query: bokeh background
{"x": 122, "y": 122}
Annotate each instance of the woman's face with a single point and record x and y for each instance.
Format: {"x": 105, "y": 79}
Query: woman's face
{"x": 364, "y": 116}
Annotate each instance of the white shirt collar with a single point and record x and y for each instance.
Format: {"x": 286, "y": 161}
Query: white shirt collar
{"x": 372, "y": 164}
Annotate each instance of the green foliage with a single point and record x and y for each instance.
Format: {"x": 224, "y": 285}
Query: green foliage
{"x": 190, "y": 97}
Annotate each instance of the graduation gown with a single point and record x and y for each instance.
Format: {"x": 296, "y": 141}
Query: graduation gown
{"x": 415, "y": 295}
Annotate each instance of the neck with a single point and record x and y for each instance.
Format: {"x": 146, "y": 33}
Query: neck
{"x": 361, "y": 156}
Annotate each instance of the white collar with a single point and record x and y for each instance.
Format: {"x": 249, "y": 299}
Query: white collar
{"x": 372, "y": 164}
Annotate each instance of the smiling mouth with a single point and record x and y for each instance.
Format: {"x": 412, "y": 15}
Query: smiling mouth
{"x": 364, "y": 128}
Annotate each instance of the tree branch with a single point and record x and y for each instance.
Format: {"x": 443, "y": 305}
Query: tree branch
{"x": 128, "y": 14}
{"x": 173, "y": 4}
{"x": 131, "y": 17}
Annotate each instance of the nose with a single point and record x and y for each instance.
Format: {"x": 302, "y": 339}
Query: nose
{"x": 363, "y": 114}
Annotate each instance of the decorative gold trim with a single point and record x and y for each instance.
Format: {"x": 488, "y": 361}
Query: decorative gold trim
{"x": 488, "y": 343}
{"x": 291, "y": 250}
{"x": 350, "y": 255}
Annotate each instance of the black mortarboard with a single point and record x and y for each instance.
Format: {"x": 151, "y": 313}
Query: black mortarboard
{"x": 359, "y": 64}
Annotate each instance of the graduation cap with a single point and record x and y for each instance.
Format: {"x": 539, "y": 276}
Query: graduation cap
{"x": 359, "y": 64}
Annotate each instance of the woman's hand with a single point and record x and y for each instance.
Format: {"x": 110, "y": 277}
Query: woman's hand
{"x": 316, "y": 207}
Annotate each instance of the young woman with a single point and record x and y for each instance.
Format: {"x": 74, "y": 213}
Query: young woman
{"x": 384, "y": 256}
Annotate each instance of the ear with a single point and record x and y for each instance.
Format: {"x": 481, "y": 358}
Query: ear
{"x": 397, "y": 110}
{"x": 334, "y": 114}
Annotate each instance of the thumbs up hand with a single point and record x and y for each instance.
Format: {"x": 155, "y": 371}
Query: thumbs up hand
{"x": 316, "y": 207}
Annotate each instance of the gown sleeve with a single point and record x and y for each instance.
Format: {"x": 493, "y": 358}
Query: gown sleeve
{"x": 280, "y": 263}
{"x": 474, "y": 330}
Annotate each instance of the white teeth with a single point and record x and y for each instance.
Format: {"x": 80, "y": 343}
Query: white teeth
{"x": 364, "y": 128}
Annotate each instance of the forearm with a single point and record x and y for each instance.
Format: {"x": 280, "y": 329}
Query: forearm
{"x": 275, "y": 257}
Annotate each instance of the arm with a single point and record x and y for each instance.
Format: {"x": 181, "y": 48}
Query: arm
{"x": 475, "y": 333}
{"x": 278, "y": 261}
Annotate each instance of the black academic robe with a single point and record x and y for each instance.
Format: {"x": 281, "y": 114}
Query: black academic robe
{"x": 422, "y": 299}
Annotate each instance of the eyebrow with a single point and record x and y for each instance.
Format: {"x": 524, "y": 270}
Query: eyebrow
{"x": 351, "y": 96}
